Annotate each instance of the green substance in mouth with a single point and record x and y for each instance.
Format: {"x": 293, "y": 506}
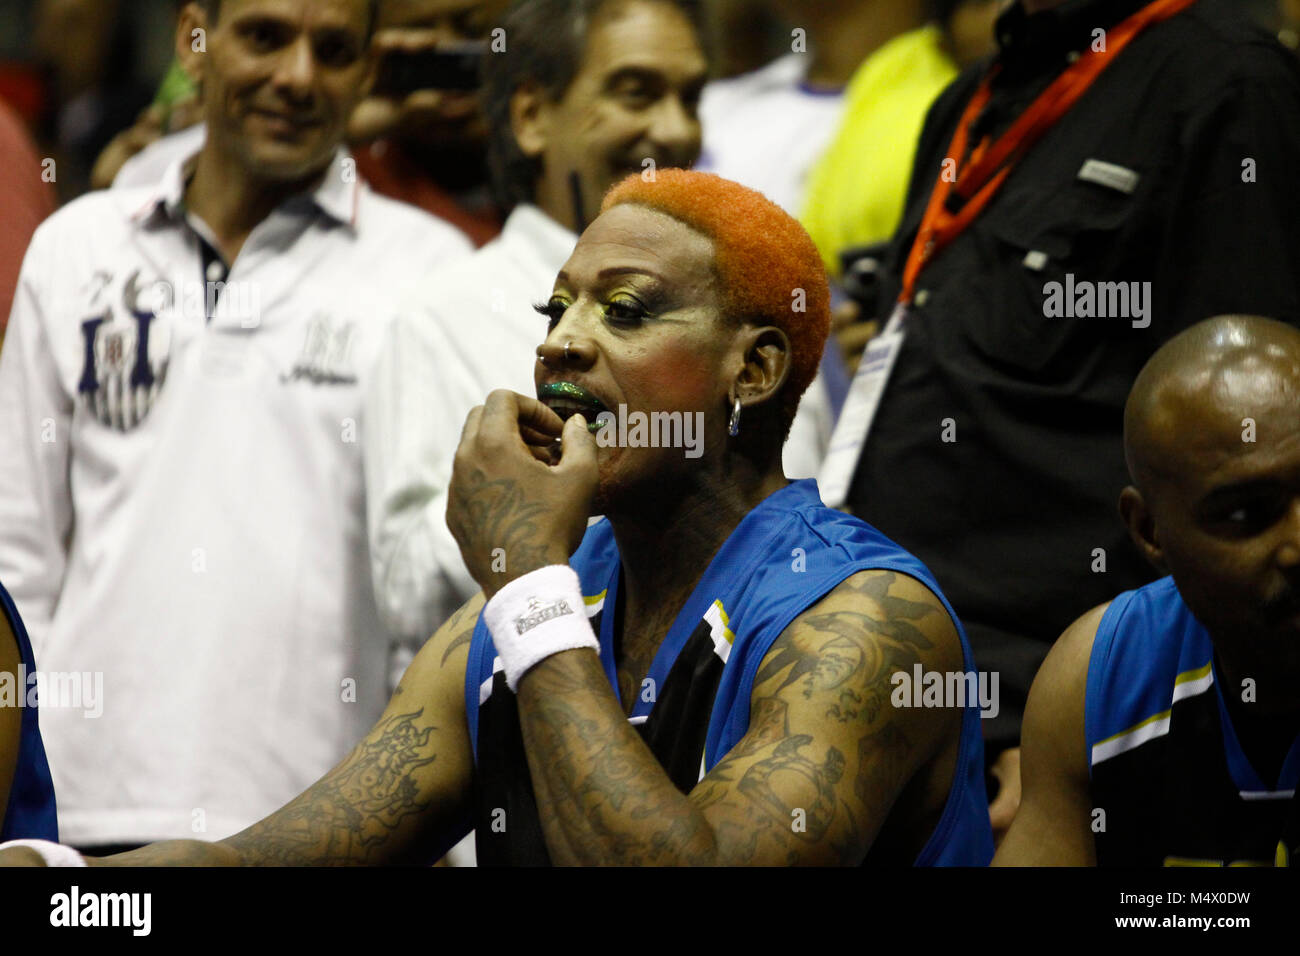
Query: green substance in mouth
{"x": 566, "y": 390}
{"x": 574, "y": 393}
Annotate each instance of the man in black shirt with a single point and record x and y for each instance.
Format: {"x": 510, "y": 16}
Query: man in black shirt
{"x": 1165, "y": 194}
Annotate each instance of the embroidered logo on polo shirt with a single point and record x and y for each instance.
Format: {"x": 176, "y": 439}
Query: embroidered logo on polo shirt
{"x": 326, "y": 357}
{"x": 126, "y": 344}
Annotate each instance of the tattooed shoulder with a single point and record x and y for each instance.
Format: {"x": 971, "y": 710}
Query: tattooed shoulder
{"x": 845, "y": 648}
{"x": 825, "y": 755}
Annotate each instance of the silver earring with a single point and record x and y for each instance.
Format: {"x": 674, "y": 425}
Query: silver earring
{"x": 733, "y": 426}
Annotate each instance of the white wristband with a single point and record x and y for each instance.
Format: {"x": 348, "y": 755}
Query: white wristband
{"x": 537, "y": 615}
{"x": 54, "y": 854}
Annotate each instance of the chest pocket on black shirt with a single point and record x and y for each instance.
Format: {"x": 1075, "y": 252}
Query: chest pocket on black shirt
{"x": 1045, "y": 241}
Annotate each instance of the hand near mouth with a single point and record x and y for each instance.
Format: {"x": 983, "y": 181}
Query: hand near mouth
{"x": 512, "y": 506}
{"x": 568, "y": 398}
{"x": 541, "y": 435}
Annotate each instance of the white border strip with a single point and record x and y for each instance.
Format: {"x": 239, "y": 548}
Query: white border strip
{"x": 722, "y": 635}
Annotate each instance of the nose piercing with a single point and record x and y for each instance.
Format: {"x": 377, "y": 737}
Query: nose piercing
{"x": 567, "y": 356}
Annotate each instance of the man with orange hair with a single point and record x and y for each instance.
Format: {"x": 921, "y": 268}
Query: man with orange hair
{"x": 774, "y": 280}
{"x": 722, "y": 671}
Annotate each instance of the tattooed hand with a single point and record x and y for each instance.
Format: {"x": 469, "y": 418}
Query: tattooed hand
{"x": 510, "y": 512}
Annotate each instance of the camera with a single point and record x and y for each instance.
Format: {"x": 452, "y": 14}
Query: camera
{"x": 454, "y": 68}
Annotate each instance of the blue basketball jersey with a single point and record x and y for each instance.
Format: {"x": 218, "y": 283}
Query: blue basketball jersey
{"x": 30, "y": 813}
{"x": 785, "y": 555}
{"x": 1167, "y": 767}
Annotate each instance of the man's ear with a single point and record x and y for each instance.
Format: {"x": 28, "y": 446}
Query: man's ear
{"x": 767, "y": 360}
{"x": 1141, "y": 526}
{"x": 530, "y": 119}
{"x": 192, "y": 40}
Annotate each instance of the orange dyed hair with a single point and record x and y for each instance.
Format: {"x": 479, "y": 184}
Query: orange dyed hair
{"x": 763, "y": 259}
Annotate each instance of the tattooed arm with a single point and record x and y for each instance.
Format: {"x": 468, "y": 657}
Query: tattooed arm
{"x": 811, "y": 782}
{"x": 402, "y": 796}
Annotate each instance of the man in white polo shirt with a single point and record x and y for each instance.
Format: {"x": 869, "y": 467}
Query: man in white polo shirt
{"x": 182, "y": 505}
{"x": 586, "y": 92}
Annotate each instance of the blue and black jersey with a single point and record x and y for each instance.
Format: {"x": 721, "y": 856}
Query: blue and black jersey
{"x": 1168, "y": 770}
{"x": 784, "y": 556}
{"x": 30, "y": 813}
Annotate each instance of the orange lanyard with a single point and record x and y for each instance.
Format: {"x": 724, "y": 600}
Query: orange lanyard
{"x": 987, "y": 168}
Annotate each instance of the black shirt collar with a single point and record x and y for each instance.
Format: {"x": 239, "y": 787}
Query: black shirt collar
{"x": 1047, "y": 35}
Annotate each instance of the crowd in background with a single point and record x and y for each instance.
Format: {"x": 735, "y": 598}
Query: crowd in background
{"x": 840, "y": 112}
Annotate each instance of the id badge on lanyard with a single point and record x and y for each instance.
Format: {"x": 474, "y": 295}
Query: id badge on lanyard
{"x": 859, "y": 411}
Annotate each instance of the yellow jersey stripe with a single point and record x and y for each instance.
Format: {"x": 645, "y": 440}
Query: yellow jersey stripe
{"x": 1187, "y": 684}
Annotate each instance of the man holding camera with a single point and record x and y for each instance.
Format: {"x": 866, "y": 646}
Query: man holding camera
{"x": 420, "y": 136}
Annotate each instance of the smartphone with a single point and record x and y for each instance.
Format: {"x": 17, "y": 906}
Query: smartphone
{"x": 452, "y": 68}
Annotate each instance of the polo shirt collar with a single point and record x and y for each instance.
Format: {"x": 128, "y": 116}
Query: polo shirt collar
{"x": 336, "y": 194}
{"x": 166, "y": 201}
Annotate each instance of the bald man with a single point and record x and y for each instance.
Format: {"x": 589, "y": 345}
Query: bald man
{"x": 1162, "y": 727}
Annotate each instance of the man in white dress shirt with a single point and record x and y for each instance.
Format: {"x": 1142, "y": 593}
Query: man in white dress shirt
{"x": 182, "y": 504}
